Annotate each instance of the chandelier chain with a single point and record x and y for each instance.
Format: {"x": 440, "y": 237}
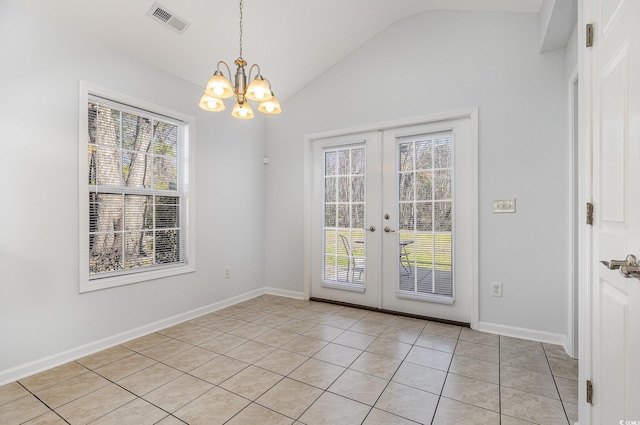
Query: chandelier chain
{"x": 241, "y": 2}
{"x": 259, "y": 89}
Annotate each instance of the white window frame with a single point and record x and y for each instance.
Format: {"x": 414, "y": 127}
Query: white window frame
{"x": 86, "y": 283}
{"x": 348, "y": 285}
{"x": 443, "y": 299}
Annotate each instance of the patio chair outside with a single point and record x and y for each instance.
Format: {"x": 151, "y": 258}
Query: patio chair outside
{"x": 355, "y": 264}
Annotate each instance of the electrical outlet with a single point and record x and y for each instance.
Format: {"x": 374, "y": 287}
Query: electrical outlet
{"x": 227, "y": 272}
{"x": 496, "y": 289}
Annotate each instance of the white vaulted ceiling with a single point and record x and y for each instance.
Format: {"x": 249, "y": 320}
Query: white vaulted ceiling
{"x": 293, "y": 41}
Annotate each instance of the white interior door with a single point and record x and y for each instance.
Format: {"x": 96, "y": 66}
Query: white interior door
{"x": 614, "y": 68}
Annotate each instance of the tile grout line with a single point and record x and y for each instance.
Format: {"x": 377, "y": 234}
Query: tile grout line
{"x": 388, "y": 380}
{"x": 137, "y": 397}
{"x": 251, "y": 312}
{"x": 564, "y": 409}
{"x": 45, "y": 404}
{"x": 92, "y": 392}
{"x": 445, "y": 378}
{"x": 324, "y": 391}
{"x": 345, "y": 369}
{"x": 140, "y": 397}
{"x": 287, "y": 376}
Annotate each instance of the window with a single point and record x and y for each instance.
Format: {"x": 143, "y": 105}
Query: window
{"x": 344, "y": 208}
{"x": 135, "y": 206}
{"x": 425, "y": 188}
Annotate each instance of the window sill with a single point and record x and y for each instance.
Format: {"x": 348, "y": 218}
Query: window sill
{"x": 87, "y": 285}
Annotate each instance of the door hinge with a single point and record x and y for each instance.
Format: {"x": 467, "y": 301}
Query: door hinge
{"x": 589, "y": 392}
{"x": 590, "y": 213}
{"x": 589, "y": 35}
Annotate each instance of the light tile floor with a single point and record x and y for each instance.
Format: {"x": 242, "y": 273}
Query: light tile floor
{"x": 274, "y": 360}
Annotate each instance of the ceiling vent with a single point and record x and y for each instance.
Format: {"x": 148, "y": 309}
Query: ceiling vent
{"x": 167, "y": 18}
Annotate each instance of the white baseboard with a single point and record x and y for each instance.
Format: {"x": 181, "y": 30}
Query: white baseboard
{"x": 569, "y": 347}
{"x": 548, "y": 337}
{"x": 298, "y": 295}
{"x": 36, "y": 366}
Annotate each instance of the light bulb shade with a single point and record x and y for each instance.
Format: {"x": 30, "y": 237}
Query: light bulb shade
{"x": 242, "y": 111}
{"x": 270, "y": 107}
{"x": 218, "y": 86}
{"x": 211, "y": 104}
{"x": 258, "y": 90}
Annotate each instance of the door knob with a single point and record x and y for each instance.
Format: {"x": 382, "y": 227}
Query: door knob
{"x": 628, "y": 267}
{"x": 371, "y": 229}
{"x": 388, "y": 229}
{"x": 630, "y": 271}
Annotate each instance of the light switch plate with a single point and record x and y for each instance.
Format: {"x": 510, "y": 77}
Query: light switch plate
{"x": 504, "y": 206}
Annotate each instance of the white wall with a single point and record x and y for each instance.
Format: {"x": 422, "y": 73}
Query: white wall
{"x": 435, "y": 62}
{"x": 571, "y": 53}
{"x": 557, "y": 19}
{"x": 41, "y": 312}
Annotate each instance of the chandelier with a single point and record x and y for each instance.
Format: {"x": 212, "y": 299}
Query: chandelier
{"x": 218, "y": 88}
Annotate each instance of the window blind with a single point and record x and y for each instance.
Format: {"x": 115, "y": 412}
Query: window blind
{"x": 425, "y": 194}
{"x": 137, "y": 191}
{"x": 344, "y": 213}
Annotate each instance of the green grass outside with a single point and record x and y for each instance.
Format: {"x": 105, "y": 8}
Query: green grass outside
{"x": 422, "y": 253}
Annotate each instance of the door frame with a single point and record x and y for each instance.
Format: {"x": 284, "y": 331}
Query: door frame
{"x": 585, "y": 236}
{"x": 309, "y": 193}
{"x": 574, "y": 200}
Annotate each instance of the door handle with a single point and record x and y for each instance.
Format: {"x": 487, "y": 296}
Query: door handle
{"x": 614, "y": 264}
{"x": 371, "y": 229}
{"x": 628, "y": 267}
{"x": 388, "y": 229}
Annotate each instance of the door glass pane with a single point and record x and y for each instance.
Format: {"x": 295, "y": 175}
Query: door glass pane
{"x": 344, "y": 212}
{"x": 425, "y": 208}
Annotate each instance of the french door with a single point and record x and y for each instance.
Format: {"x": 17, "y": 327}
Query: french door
{"x": 347, "y": 252}
{"x": 428, "y": 196}
{"x": 392, "y": 218}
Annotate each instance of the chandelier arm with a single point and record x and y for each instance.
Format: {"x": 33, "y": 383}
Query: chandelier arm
{"x": 228, "y": 69}
{"x": 251, "y": 69}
